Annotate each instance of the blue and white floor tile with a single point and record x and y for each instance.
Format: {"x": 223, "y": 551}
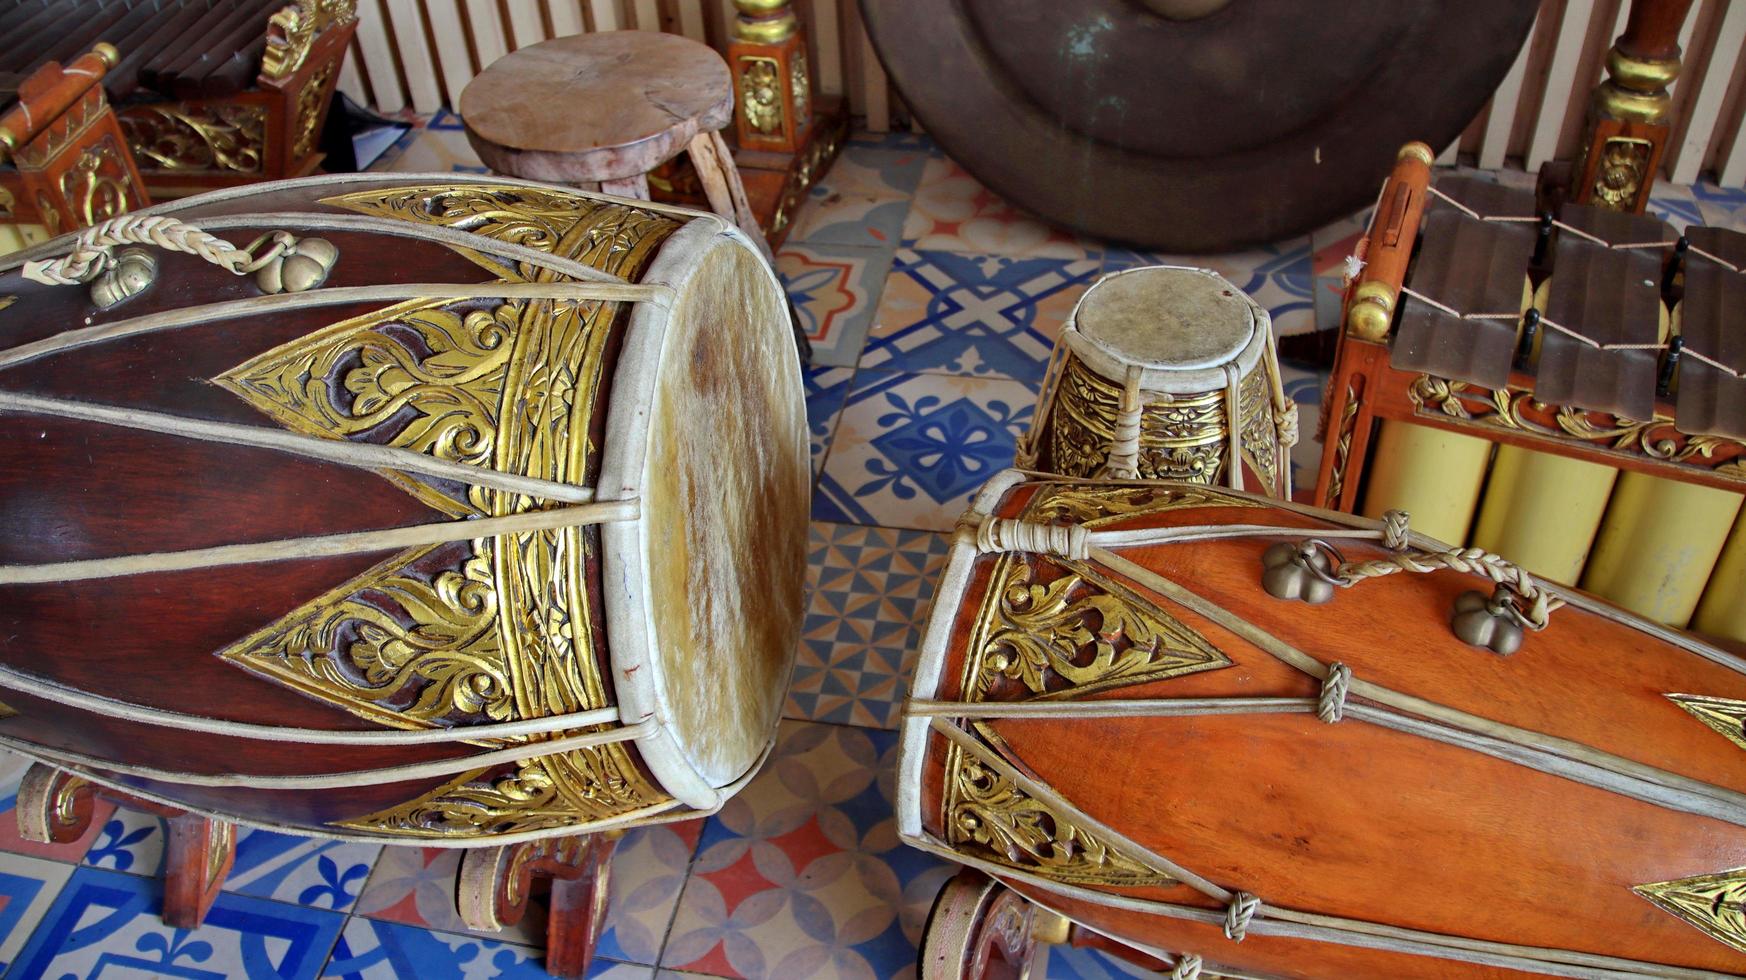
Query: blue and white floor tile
{"x": 863, "y": 199}
{"x": 911, "y": 450}
{"x": 827, "y": 388}
{"x": 835, "y": 290}
{"x": 374, "y": 950}
{"x": 975, "y": 314}
{"x": 302, "y": 870}
{"x": 28, "y": 887}
{"x": 105, "y": 924}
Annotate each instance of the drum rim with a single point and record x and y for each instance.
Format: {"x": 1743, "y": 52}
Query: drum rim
{"x": 626, "y": 549}
{"x": 1156, "y": 376}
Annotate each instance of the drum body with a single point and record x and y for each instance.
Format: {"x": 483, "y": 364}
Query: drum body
{"x": 1166, "y": 372}
{"x": 1124, "y": 724}
{"x": 634, "y": 356}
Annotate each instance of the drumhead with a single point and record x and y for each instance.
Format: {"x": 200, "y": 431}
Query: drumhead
{"x": 1167, "y": 317}
{"x": 707, "y": 428}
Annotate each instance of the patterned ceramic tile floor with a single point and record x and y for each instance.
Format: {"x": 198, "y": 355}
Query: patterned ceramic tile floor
{"x": 932, "y": 305}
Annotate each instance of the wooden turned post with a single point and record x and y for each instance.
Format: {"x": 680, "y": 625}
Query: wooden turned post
{"x": 1627, "y": 127}
{"x": 55, "y": 807}
{"x": 74, "y": 166}
{"x": 772, "y": 82}
{"x": 493, "y": 885}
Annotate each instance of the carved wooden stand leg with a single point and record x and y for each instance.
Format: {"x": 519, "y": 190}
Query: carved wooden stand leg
{"x": 492, "y": 888}
{"x": 54, "y": 807}
{"x": 978, "y": 930}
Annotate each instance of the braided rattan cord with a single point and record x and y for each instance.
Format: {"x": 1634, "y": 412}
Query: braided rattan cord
{"x": 92, "y": 251}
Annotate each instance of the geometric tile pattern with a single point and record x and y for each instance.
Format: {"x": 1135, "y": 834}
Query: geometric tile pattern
{"x": 871, "y": 587}
{"x": 912, "y": 449}
{"x": 965, "y": 313}
{"x": 802, "y": 874}
{"x": 862, "y": 199}
{"x": 953, "y": 212}
{"x": 834, "y": 289}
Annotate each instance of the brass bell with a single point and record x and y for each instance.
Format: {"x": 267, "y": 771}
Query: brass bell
{"x": 1485, "y": 622}
{"x": 1292, "y": 571}
{"x": 133, "y": 271}
{"x": 303, "y": 265}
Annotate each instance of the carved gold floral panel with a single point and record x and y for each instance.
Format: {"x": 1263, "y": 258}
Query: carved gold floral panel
{"x": 1059, "y": 630}
{"x": 990, "y": 816}
{"x": 1713, "y": 903}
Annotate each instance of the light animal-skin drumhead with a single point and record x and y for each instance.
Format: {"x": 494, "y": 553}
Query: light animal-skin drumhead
{"x": 704, "y": 593}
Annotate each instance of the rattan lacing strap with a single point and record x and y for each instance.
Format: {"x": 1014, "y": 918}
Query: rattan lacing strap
{"x": 92, "y": 251}
{"x": 1238, "y": 914}
{"x": 1004, "y": 534}
{"x": 1124, "y": 448}
{"x": 1331, "y": 706}
{"x": 1187, "y": 967}
{"x": 1537, "y": 603}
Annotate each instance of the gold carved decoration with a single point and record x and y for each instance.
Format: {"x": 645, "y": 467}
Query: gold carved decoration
{"x": 7, "y": 203}
{"x": 487, "y": 630}
{"x": 991, "y": 816}
{"x": 6, "y": 710}
{"x": 1182, "y": 439}
{"x": 1260, "y": 434}
{"x": 761, "y": 93}
{"x": 64, "y": 132}
{"x": 51, "y": 215}
{"x": 1343, "y": 447}
{"x": 1723, "y": 715}
{"x": 90, "y": 186}
{"x": 800, "y": 87}
{"x": 292, "y": 31}
{"x": 226, "y": 137}
{"x": 1519, "y": 411}
{"x": 1619, "y": 177}
{"x": 7, "y": 299}
{"x": 309, "y": 103}
{"x": 1073, "y": 633}
{"x": 1714, "y": 903}
{"x": 1095, "y": 506}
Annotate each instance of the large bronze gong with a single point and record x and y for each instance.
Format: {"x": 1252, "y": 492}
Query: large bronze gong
{"x": 1192, "y": 125}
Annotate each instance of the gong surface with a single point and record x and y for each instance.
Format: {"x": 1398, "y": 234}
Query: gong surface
{"x": 1192, "y": 126}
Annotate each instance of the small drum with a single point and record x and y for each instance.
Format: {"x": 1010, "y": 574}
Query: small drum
{"x": 437, "y": 509}
{"x": 1166, "y": 372}
{"x": 1266, "y": 740}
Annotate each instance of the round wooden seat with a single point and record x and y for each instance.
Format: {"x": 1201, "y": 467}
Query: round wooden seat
{"x": 596, "y": 108}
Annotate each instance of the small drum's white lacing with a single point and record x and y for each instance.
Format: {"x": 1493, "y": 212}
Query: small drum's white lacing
{"x": 1234, "y": 425}
{"x": 1187, "y": 967}
{"x": 1286, "y": 424}
{"x": 1238, "y": 914}
{"x": 1331, "y": 706}
{"x": 92, "y": 251}
{"x": 1004, "y": 534}
{"x": 1123, "y": 462}
{"x": 1395, "y": 533}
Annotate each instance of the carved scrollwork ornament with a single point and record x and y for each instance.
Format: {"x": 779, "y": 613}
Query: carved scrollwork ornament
{"x": 761, "y": 93}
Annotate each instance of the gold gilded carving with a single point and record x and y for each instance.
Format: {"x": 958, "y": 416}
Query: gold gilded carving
{"x": 1619, "y": 177}
{"x": 1343, "y": 447}
{"x": 800, "y": 87}
{"x": 990, "y": 816}
{"x": 1519, "y": 411}
{"x": 225, "y": 137}
{"x": 1714, "y": 903}
{"x": 761, "y": 93}
{"x": 606, "y": 236}
{"x": 7, "y": 711}
{"x": 7, "y": 300}
{"x": 309, "y": 103}
{"x": 1095, "y": 506}
{"x": 492, "y": 629}
{"x": 35, "y": 155}
{"x": 7, "y": 203}
{"x": 1074, "y": 633}
{"x": 1723, "y": 715}
{"x": 292, "y": 31}
{"x": 1260, "y": 435}
{"x": 91, "y": 187}
{"x": 1182, "y": 439}
{"x": 51, "y": 215}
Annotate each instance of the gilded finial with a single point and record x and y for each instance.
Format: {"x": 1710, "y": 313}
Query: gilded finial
{"x": 1418, "y": 151}
{"x": 110, "y": 55}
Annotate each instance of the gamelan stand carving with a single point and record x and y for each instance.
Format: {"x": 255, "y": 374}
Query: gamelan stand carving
{"x": 981, "y": 930}
{"x": 494, "y": 883}
{"x": 55, "y": 807}
{"x": 71, "y": 163}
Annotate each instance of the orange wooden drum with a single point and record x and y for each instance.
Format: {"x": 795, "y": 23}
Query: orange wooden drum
{"x": 1265, "y": 740}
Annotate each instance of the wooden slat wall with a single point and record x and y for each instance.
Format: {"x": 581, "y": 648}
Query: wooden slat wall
{"x": 418, "y": 54}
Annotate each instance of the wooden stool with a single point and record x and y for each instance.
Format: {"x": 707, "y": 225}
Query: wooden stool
{"x": 602, "y": 110}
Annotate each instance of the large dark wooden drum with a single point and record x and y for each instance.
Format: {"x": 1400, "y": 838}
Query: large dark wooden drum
{"x": 446, "y": 508}
{"x": 1126, "y": 711}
